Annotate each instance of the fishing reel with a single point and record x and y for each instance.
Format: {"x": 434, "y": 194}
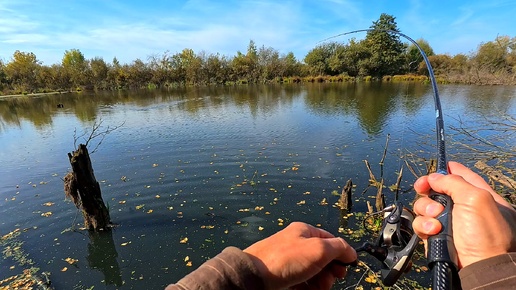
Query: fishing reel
{"x": 396, "y": 243}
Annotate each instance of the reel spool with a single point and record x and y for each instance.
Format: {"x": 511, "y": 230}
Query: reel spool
{"x": 396, "y": 243}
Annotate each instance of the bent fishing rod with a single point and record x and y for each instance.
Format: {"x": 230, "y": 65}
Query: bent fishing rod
{"x": 396, "y": 251}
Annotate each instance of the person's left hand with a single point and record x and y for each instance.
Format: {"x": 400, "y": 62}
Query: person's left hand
{"x": 300, "y": 257}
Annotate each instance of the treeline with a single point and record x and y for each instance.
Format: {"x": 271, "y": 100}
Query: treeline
{"x": 379, "y": 55}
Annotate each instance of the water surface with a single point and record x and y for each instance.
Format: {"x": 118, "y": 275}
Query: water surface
{"x": 218, "y": 166}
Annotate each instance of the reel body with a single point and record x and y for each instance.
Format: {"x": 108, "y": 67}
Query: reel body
{"x": 396, "y": 244}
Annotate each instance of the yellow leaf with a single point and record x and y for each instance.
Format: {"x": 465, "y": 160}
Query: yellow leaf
{"x": 260, "y": 228}
{"x": 301, "y": 202}
{"x": 64, "y": 269}
{"x": 183, "y": 241}
{"x": 71, "y": 261}
{"x": 48, "y": 203}
{"x": 189, "y": 264}
{"x": 155, "y": 165}
{"x": 150, "y": 211}
{"x": 122, "y": 202}
{"x": 157, "y": 196}
{"x": 187, "y": 258}
{"x": 140, "y": 206}
{"x": 46, "y": 214}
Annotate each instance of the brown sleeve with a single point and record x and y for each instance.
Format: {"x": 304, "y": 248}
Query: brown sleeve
{"x": 498, "y": 272}
{"x": 231, "y": 269}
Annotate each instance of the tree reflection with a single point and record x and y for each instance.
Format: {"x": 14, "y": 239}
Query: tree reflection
{"x": 371, "y": 102}
{"x": 102, "y": 255}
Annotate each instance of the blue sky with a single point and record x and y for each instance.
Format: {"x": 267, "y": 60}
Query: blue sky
{"x": 129, "y": 29}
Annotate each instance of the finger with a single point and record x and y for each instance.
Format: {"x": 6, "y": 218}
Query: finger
{"x": 428, "y": 207}
{"x": 344, "y": 252}
{"x": 468, "y": 175}
{"x": 426, "y": 226}
{"x": 308, "y": 231}
{"x": 476, "y": 180}
{"x": 338, "y": 271}
{"x": 323, "y": 280}
{"x": 421, "y": 185}
{"x": 456, "y": 187}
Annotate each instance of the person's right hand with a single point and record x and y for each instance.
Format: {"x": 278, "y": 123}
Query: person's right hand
{"x": 484, "y": 224}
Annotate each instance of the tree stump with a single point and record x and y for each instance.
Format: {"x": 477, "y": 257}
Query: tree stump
{"x": 345, "y": 201}
{"x": 84, "y": 190}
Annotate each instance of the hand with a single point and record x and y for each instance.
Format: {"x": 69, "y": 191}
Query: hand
{"x": 483, "y": 223}
{"x": 300, "y": 256}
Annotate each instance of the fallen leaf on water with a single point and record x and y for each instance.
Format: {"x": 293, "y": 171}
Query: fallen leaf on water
{"x": 64, "y": 269}
{"x": 140, "y": 206}
{"x": 150, "y": 211}
{"x": 71, "y": 261}
{"x": 301, "y": 202}
{"x": 187, "y": 258}
{"x": 48, "y": 203}
{"x": 46, "y": 214}
{"x": 183, "y": 241}
{"x": 155, "y": 165}
{"x": 260, "y": 228}
{"x": 125, "y": 244}
{"x": 122, "y": 202}
{"x": 323, "y": 202}
{"x": 189, "y": 264}
{"x": 157, "y": 196}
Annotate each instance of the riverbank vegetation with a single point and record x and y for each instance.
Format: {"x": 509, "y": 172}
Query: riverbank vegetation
{"x": 379, "y": 56}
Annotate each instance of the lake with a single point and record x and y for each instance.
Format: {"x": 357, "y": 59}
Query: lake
{"x": 191, "y": 171}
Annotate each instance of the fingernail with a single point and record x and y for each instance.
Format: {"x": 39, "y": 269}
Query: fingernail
{"x": 427, "y": 226}
{"x": 433, "y": 209}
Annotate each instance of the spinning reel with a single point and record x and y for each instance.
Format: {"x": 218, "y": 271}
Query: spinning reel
{"x": 396, "y": 243}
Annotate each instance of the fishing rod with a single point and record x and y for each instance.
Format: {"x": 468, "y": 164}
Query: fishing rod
{"x": 394, "y": 251}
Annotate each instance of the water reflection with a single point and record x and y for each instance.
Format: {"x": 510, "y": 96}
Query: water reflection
{"x": 370, "y": 102}
{"x": 102, "y": 255}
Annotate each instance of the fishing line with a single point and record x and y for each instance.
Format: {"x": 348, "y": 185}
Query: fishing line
{"x": 441, "y": 150}
{"x": 442, "y": 255}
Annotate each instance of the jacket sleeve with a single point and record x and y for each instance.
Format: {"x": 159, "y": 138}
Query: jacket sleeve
{"x": 498, "y": 272}
{"x": 232, "y": 269}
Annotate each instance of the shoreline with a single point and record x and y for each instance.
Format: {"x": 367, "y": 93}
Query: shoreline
{"x": 32, "y": 95}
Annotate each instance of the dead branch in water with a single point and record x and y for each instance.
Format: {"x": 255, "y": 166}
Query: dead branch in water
{"x": 95, "y": 133}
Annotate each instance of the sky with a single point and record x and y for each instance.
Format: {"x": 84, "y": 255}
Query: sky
{"x": 133, "y": 29}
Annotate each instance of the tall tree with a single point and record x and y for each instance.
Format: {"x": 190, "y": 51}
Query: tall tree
{"x": 75, "y": 65}
{"x": 22, "y": 71}
{"x": 99, "y": 72}
{"x": 387, "y": 51}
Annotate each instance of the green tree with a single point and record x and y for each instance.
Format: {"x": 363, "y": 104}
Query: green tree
{"x": 189, "y": 65}
{"x": 493, "y": 56}
{"x": 387, "y": 51}
{"x": 292, "y": 65}
{"x": 270, "y": 63}
{"x": 217, "y": 69}
{"x": 414, "y": 57}
{"x": 22, "y": 71}
{"x": 3, "y": 77}
{"x": 318, "y": 58}
{"x": 75, "y": 66}
{"x": 349, "y": 59}
{"x": 139, "y": 74}
{"x": 99, "y": 72}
